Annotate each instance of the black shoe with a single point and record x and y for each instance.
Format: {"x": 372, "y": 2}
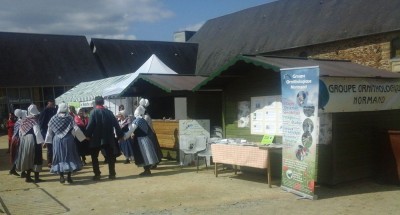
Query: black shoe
{"x": 96, "y": 178}
{"x": 29, "y": 180}
{"x": 111, "y": 177}
{"x": 127, "y": 161}
{"x": 62, "y": 179}
{"x": 23, "y": 174}
{"x": 69, "y": 180}
{"x": 145, "y": 173}
{"x": 13, "y": 172}
{"x": 38, "y": 180}
{"x": 154, "y": 166}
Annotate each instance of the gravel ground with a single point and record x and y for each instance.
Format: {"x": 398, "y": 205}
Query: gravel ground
{"x": 175, "y": 190}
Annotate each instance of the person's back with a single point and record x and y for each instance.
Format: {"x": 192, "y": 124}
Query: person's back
{"x": 100, "y": 132}
{"x": 101, "y": 126}
{"x": 45, "y": 116}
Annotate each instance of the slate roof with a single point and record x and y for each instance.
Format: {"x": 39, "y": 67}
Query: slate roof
{"x": 286, "y": 24}
{"x": 118, "y": 57}
{"x": 45, "y": 60}
{"x": 237, "y": 67}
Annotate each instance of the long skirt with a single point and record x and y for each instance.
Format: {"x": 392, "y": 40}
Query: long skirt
{"x": 156, "y": 144}
{"x": 14, "y": 149}
{"x": 127, "y": 149}
{"x": 82, "y": 147}
{"x": 147, "y": 151}
{"x": 30, "y": 154}
{"x": 65, "y": 155}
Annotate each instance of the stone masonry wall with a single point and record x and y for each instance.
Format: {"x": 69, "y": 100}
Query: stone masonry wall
{"x": 373, "y": 51}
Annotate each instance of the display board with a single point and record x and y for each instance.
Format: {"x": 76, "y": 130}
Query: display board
{"x": 266, "y": 115}
{"x": 193, "y": 134}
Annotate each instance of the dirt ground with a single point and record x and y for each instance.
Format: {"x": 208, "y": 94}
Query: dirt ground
{"x": 181, "y": 190}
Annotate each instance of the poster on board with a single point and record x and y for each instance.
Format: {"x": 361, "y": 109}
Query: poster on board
{"x": 266, "y": 115}
{"x": 243, "y": 114}
{"x": 300, "y": 92}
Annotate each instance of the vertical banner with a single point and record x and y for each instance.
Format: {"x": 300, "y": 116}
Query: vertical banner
{"x": 300, "y": 89}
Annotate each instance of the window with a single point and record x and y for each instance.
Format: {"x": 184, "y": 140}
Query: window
{"x": 303, "y": 54}
{"x": 13, "y": 95}
{"x": 48, "y": 93}
{"x": 68, "y": 88}
{"x": 58, "y": 91}
{"x": 25, "y": 95}
{"x": 37, "y": 94}
{"x": 3, "y": 96}
{"x": 3, "y": 113}
{"x": 395, "y": 48}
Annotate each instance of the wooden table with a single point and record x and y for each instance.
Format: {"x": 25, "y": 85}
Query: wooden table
{"x": 239, "y": 155}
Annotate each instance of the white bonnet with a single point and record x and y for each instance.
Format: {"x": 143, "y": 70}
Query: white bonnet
{"x": 18, "y": 113}
{"x": 32, "y": 110}
{"x": 62, "y": 108}
{"x": 24, "y": 114}
{"x": 139, "y": 112}
{"x": 146, "y": 103}
{"x": 142, "y": 102}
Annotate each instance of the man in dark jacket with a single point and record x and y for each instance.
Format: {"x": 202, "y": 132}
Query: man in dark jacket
{"x": 100, "y": 132}
{"x": 44, "y": 117}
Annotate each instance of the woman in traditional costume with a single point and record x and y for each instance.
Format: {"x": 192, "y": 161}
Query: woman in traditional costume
{"x": 83, "y": 146}
{"x": 10, "y": 129}
{"x": 61, "y": 132}
{"x": 125, "y": 145}
{"x": 153, "y": 136}
{"x": 144, "y": 151}
{"x": 15, "y": 142}
{"x": 30, "y": 146}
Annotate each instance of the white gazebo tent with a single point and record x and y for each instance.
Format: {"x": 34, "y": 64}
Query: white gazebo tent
{"x": 110, "y": 88}
{"x": 152, "y": 66}
{"x": 85, "y": 92}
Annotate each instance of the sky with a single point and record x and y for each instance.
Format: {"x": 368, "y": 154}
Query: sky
{"x": 155, "y": 20}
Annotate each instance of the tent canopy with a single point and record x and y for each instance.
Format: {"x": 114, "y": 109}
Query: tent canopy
{"x": 171, "y": 83}
{"x": 87, "y": 91}
{"x": 152, "y": 66}
{"x": 115, "y": 86}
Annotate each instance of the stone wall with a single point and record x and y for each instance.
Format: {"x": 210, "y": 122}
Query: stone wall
{"x": 373, "y": 51}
